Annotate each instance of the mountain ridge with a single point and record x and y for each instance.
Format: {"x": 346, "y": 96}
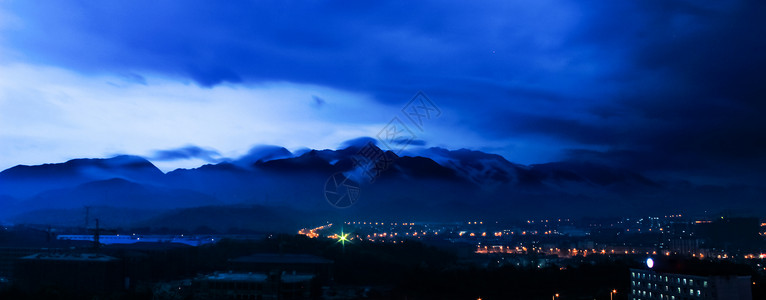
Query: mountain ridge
{"x": 436, "y": 182}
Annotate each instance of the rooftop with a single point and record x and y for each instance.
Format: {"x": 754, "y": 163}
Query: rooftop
{"x": 290, "y": 278}
{"x": 148, "y": 246}
{"x": 238, "y": 277}
{"x": 687, "y": 266}
{"x": 71, "y": 257}
{"x": 257, "y": 277}
{"x": 273, "y": 258}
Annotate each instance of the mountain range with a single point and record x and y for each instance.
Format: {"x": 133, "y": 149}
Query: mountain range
{"x": 272, "y": 188}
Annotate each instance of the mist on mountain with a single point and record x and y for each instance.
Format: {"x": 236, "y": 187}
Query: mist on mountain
{"x": 279, "y": 189}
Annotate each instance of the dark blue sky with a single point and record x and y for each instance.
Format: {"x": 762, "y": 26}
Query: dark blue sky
{"x": 657, "y": 86}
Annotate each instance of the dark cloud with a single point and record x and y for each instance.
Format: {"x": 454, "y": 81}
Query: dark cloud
{"x": 358, "y": 142}
{"x": 188, "y": 152}
{"x": 262, "y": 153}
{"x": 658, "y": 84}
{"x": 211, "y": 76}
{"x": 694, "y": 91}
{"x": 387, "y": 49}
{"x": 411, "y": 142}
{"x": 134, "y": 78}
{"x": 318, "y": 102}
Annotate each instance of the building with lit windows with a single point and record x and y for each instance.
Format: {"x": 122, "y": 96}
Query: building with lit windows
{"x": 674, "y": 281}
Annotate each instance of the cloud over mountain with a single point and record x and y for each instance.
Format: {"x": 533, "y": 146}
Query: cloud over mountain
{"x": 438, "y": 184}
{"x": 672, "y": 87}
{"x": 187, "y": 152}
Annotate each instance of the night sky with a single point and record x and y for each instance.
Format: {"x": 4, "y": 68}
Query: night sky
{"x": 668, "y": 88}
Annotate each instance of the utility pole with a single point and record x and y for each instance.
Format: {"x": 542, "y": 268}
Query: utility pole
{"x": 87, "y": 216}
{"x": 97, "y": 234}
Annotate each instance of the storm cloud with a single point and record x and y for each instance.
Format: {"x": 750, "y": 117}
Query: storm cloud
{"x": 657, "y": 86}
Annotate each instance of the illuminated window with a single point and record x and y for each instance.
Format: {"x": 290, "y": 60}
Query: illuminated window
{"x": 704, "y": 283}
{"x": 699, "y": 293}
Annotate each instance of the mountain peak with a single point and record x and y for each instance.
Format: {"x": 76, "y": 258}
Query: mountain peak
{"x": 24, "y": 181}
{"x": 262, "y": 153}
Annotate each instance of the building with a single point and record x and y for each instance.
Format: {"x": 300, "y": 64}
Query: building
{"x": 9, "y": 255}
{"x": 22, "y": 241}
{"x": 72, "y": 272}
{"x": 676, "y": 279}
{"x": 132, "y": 239}
{"x": 145, "y": 262}
{"x": 731, "y": 234}
{"x": 255, "y": 286}
{"x": 270, "y": 263}
{"x": 685, "y": 245}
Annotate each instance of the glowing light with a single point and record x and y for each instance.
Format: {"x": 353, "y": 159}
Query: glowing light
{"x": 343, "y": 238}
{"x": 650, "y": 263}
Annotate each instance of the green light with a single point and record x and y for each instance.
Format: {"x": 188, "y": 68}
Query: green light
{"x": 343, "y": 238}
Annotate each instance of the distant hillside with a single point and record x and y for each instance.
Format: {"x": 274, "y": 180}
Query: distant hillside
{"x": 273, "y": 188}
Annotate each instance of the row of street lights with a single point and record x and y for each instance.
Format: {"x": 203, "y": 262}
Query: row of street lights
{"x": 611, "y": 295}
{"x": 556, "y": 296}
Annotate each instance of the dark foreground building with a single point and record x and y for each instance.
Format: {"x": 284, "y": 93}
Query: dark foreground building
{"x": 255, "y": 286}
{"x": 71, "y": 272}
{"x": 266, "y": 276}
{"x": 686, "y": 280}
{"x": 269, "y": 263}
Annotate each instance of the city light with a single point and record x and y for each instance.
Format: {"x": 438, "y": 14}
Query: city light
{"x": 343, "y": 238}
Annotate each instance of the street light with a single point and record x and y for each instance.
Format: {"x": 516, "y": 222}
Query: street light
{"x": 342, "y": 239}
{"x": 611, "y": 294}
{"x": 555, "y": 296}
